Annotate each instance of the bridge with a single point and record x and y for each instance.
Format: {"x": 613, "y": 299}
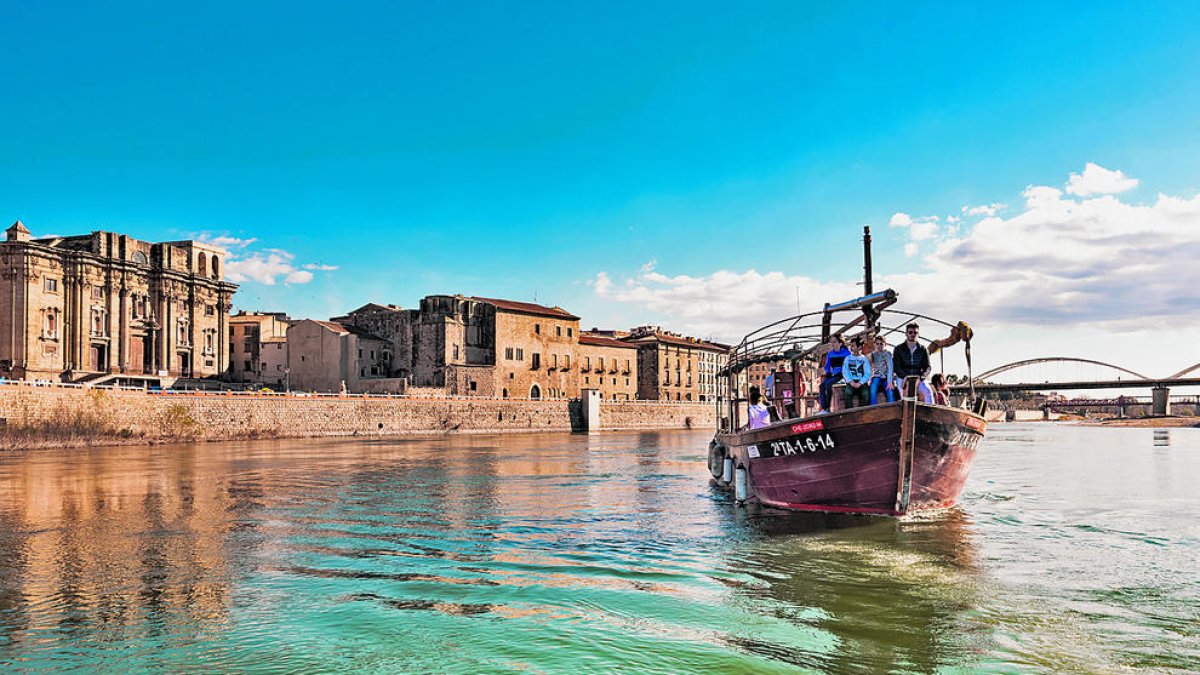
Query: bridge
{"x": 1160, "y": 386}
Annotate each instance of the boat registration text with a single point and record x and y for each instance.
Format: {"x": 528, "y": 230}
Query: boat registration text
{"x": 792, "y": 446}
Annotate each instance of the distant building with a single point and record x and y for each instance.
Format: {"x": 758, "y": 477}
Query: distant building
{"x": 328, "y": 357}
{"x": 258, "y": 348}
{"x": 104, "y": 306}
{"x": 390, "y": 322}
{"x": 608, "y": 365}
{"x": 672, "y": 367}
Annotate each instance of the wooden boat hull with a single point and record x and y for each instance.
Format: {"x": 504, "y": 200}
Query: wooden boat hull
{"x": 868, "y": 460}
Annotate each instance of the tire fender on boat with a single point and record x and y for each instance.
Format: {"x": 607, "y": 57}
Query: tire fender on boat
{"x": 716, "y": 458}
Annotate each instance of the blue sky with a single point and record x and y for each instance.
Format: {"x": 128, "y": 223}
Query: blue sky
{"x": 534, "y": 148}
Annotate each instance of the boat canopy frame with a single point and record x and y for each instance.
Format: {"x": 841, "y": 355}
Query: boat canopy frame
{"x": 803, "y": 337}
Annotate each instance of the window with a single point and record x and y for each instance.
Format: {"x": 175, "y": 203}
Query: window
{"x": 210, "y": 310}
{"x": 504, "y": 393}
{"x": 566, "y": 361}
{"x": 536, "y": 361}
{"x": 139, "y": 258}
{"x": 554, "y": 360}
{"x": 473, "y": 388}
{"x": 455, "y": 352}
{"x": 570, "y": 332}
{"x": 558, "y": 331}
{"x": 372, "y": 354}
{"x": 246, "y": 365}
{"x": 248, "y": 330}
{"x": 264, "y": 365}
{"x": 278, "y": 345}
{"x": 520, "y": 354}
{"x": 508, "y": 353}
{"x": 537, "y": 329}
{"x": 98, "y": 322}
{"x": 50, "y": 324}
{"x": 202, "y": 267}
{"x": 51, "y": 285}
{"x": 601, "y": 366}
{"x": 303, "y": 357}
{"x": 360, "y": 353}
{"x": 279, "y": 366}
{"x": 97, "y": 292}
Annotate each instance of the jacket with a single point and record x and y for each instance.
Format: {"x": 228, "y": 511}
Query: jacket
{"x": 906, "y": 362}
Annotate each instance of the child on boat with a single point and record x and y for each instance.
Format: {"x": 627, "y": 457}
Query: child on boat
{"x": 881, "y": 372}
{"x": 856, "y": 372}
{"x": 833, "y": 370}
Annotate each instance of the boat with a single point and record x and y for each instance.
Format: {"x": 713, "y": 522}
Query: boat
{"x": 890, "y": 459}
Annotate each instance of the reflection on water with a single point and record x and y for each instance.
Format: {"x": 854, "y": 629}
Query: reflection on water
{"x": 1074, "y": 549}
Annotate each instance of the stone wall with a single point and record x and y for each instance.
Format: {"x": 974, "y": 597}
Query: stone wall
{"x": 59, "y": 416}
{"x": 657, "y": 415}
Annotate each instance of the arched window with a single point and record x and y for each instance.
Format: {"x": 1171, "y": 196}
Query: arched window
{"x": 202, "y": 265}
{"x": 535, "y": 392}
{"x": 139, "y": 258}
{"x": 216, "y": 272}
{"x": 50, "y": 324}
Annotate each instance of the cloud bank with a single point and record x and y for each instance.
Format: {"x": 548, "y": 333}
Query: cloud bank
{"x": 267, "y": 267}
{"x": 1077, "y": 256}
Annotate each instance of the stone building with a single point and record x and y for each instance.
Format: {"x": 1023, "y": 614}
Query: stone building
{"x": 258, "y": 348}
{"x": 609, "y": 366}
{"x": 104, "y": 306}
{"x": 676, "y": 368}
{"x": 328, "y": 357}
{"x": 472, "y": 346}
{"x": 390, "y": 322}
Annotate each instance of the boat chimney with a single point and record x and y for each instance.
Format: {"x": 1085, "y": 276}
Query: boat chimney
{"x": 867, "y": 286}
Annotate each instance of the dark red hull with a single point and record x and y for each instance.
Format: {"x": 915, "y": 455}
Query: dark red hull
{"x": 857, "y": 461}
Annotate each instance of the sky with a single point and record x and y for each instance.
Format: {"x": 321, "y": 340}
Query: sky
{"x": 1028, "y": 167}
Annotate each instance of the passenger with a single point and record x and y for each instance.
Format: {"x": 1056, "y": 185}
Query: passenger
{"x": 882, "y": 377}
{"x": 941, "y": 391}
{"x": 833, "y": 370}
{"x": 911, "y": 359}
{"x": 760, "y": 416}
{"x": 856, "y": 371}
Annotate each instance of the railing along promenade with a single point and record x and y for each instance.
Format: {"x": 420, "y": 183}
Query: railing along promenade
{"x": 253, "y": 394}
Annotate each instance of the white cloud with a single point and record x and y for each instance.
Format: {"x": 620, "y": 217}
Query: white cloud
{"x": 982, "y": 210}
{"x": 226, "y": 242}
{"x": 919, "y": 229}
{"x": 1096, "y": 268}
{"x": 267, "y": 266}
{"x": 1097, "y": 180}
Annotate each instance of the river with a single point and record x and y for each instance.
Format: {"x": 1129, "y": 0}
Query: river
{"x": 1075, "y": 549}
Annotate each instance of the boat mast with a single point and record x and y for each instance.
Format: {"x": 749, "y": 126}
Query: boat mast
{"x": 868, "y": 288}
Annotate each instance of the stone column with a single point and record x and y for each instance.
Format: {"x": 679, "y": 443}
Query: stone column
{"x": 222, "y": 338}
{"x": 122, "y": 336}
{"x": 590, "y": 399}
{"x": 1161, "y": 397}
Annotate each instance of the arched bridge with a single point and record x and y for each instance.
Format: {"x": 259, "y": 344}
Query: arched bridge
{"x": 982, "y": 377}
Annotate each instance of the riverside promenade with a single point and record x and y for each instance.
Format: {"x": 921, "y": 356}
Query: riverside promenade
{"x": 63, "y": 415}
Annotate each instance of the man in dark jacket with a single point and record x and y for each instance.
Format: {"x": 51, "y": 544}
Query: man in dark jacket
{"x": 910, "y": 358}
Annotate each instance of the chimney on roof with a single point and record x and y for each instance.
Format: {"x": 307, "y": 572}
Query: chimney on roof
{"x": 18, "y": 232}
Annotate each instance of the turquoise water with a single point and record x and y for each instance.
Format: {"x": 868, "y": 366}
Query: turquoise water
{"x": 1075, "y": 549}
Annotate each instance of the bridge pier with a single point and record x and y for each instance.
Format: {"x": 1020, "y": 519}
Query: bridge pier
{"x": 1160, "y": 401}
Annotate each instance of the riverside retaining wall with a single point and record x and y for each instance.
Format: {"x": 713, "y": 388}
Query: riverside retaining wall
{"x": 40, "y": 416}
